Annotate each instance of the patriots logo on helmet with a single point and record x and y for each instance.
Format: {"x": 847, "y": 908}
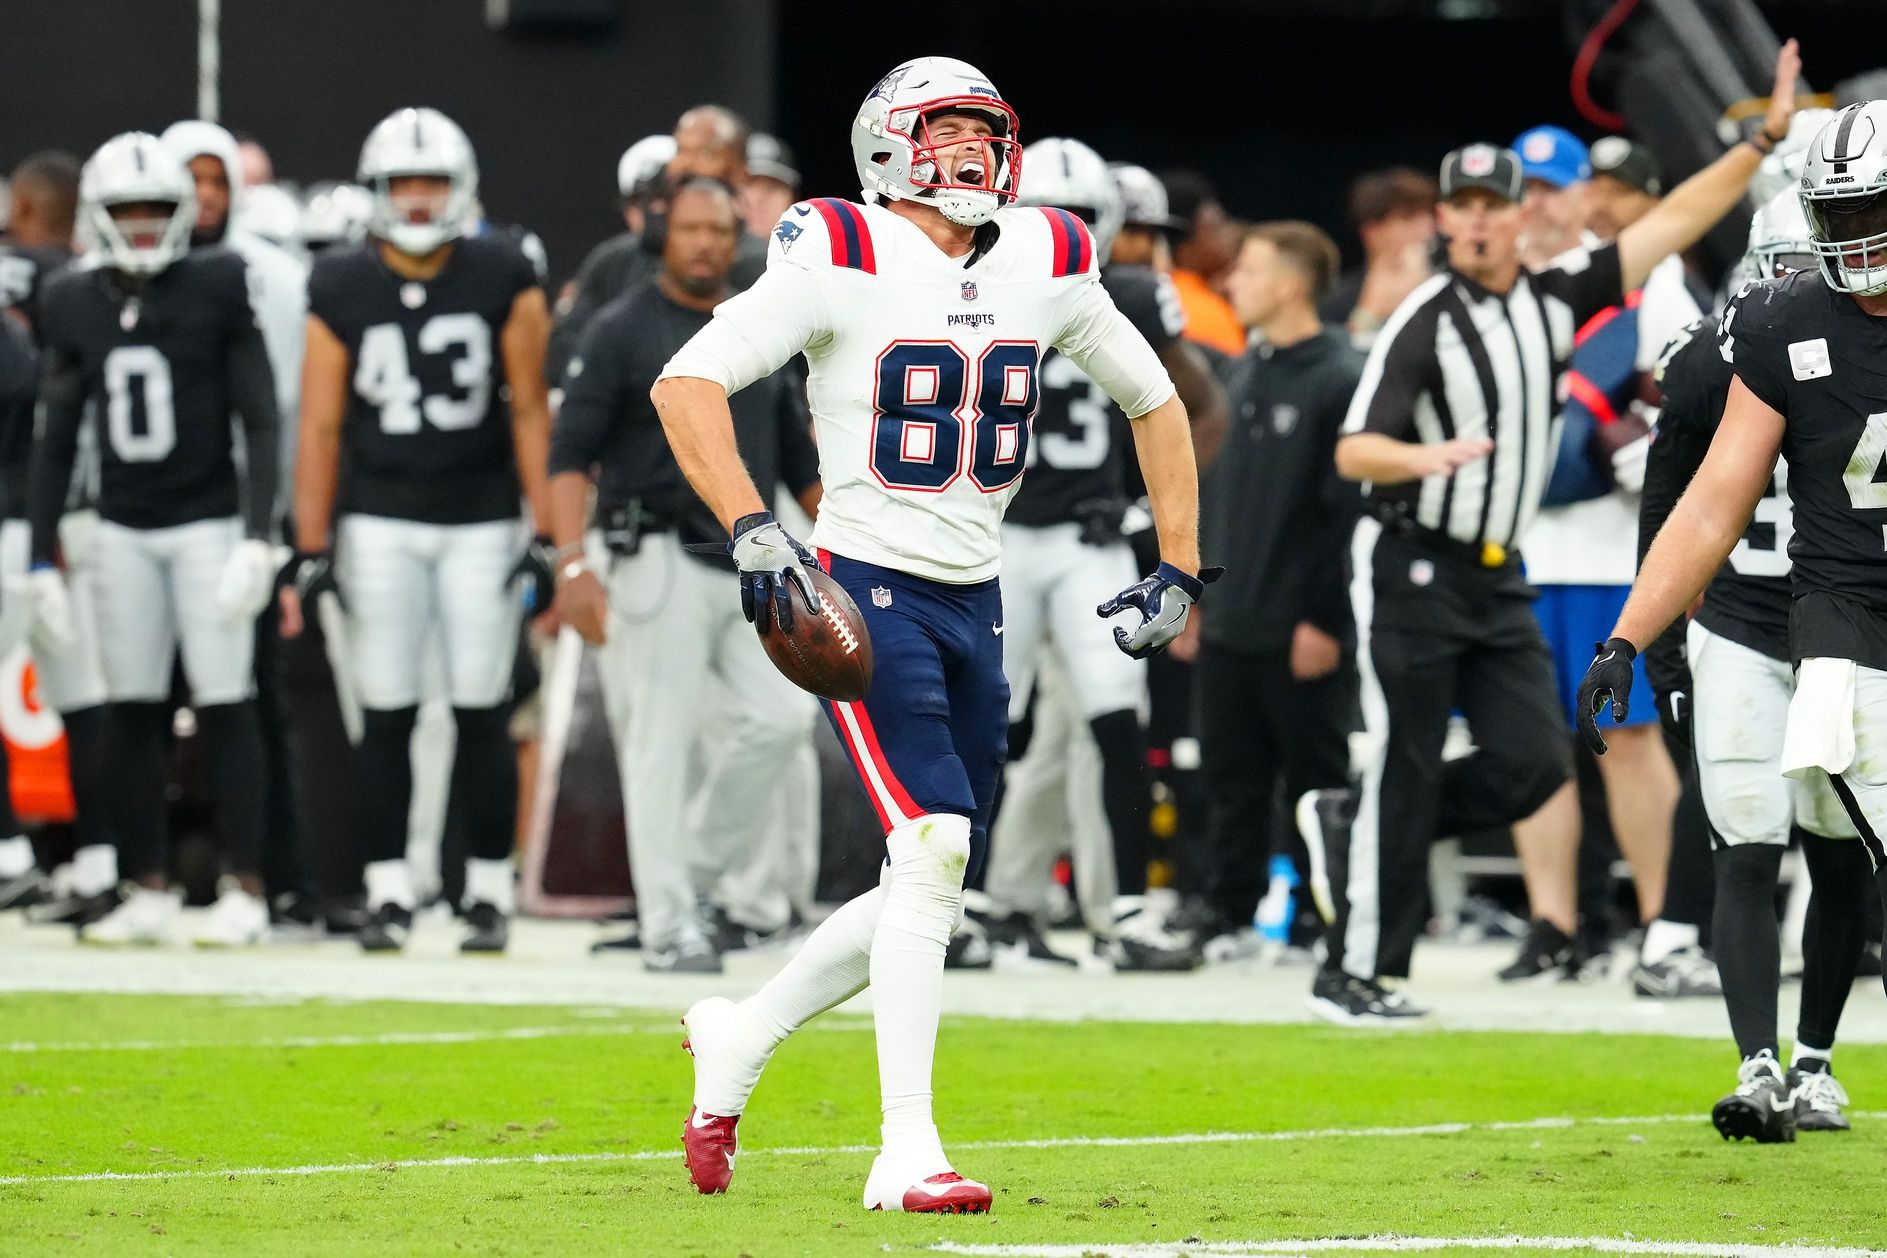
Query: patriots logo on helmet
{"x": 969, "y": 290}
{"x": 889, "y": 83}
{"x": 788, "y": 233}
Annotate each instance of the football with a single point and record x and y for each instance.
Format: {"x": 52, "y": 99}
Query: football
{"x": 827, "y": 652}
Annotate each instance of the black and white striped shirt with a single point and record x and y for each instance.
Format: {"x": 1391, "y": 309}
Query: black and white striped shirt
{"x": 1456, "y": 360}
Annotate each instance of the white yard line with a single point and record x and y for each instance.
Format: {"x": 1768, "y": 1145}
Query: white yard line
{"x": 1401, "y": 1244}
{"x": 1066, "y": 1142}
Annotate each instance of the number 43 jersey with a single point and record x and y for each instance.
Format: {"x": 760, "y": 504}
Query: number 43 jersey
{"x": 925, "y": 370}
{"x": 1815, "y": 357}
{"x": 427, "y": 434}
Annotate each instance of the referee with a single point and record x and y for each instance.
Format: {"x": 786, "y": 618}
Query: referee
{"x": 1452, "y": 431}
{"x": 660, "y": 613}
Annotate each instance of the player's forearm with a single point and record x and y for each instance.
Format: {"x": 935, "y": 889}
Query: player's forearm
{"x": 700, "y": 430}
{"x": 1695, "y": 540}
{"x": 569, "y": 495}
{"x": 530, "y": 443}
{"x": 317, "y": 472}
{"x": 1377, "y": 458}
{"x": 1163, "y": 441}
{"x": 1682, "y": 218}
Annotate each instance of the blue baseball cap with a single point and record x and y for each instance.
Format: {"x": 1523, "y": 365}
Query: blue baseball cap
{"x": 1553, "y": 154}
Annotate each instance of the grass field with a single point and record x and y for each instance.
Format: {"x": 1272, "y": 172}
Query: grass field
{"x": 381, "y": 1127}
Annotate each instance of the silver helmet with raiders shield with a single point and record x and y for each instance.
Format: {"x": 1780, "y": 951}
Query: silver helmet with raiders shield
{"x": 1844, "y": 194}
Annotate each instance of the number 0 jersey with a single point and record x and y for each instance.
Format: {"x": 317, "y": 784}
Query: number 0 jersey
{"x": 1815, "y": 357}
{"x": 924, "y": 380}
{"x": 427, "y": 434}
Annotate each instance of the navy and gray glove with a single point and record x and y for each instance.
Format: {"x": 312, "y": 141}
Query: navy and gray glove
{"x": 768, "y": 557}
{"x": 536, "y": 570}
{"x": 1608, "y": 680}
{"x": 312, "y": 574}
{"x": 1164, "y": 600}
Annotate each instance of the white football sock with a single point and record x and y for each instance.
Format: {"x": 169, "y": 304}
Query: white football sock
{"x": 1804, "y": 1050}
{"x": 390, "y": 882}
{"x": 1662, "y": 938}
{"x": 16, "y": 856}
{"x": 830, "y": 968}
{"x": 94, "y": 869}
{"x": 490, "y": 882}
{"x": 928, "y": 859}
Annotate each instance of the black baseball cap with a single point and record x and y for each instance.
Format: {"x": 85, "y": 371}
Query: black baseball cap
{"x": 1631, "y": 164}
{"x": 1486, "y": 166}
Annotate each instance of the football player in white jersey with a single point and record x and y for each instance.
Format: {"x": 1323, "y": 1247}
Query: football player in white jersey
{"x": 924, "y": 314}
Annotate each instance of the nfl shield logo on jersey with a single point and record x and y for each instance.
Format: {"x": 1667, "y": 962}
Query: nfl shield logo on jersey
{"x": 880, "y": 596}
{"x": 969, "y": 290}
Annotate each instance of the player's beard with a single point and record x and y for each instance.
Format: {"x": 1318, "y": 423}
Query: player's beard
{"x": 699, "y": 285}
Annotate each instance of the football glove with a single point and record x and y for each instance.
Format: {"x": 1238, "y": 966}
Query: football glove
{"x": 51, "y": 626}
{"x": 248, "y": 578}
{"x": 768, "y": 557}
{"x": 536, "y": 569}
{"x": 1609, "y": 679}
{"x": 1164, "y": 600}
{"x": 312, "y": 575}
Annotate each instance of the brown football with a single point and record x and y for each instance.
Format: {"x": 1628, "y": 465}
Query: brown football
{"x": 828, "y": 652}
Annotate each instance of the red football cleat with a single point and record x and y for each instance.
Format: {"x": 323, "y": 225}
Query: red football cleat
{"x": 709, "y": 1147}
{"x": 945, "y": 1192}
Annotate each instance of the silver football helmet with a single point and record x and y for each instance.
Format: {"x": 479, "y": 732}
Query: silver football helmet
{"x": 418, "y": 142}
{"x": 898, "y": 160}
{"x": 1779, "y": 238}
{"x": 1069, "y": 174}
{"x": 136, "y": 169}
{"x": 1142, "y": 197}
{"x": 336, "y": 214}
{"x": 1844, "y": 194}
{"x": 643, "y": 164}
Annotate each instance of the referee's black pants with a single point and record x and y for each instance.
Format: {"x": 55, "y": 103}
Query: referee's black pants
{"x": 1435, "y": 633}
{"x": 1259, "y": 727}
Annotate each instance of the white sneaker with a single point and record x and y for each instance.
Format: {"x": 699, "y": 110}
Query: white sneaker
{"x": 236, "y": 920}
{"x": 145, "y": 917}
{"x": 930, "y": 1187}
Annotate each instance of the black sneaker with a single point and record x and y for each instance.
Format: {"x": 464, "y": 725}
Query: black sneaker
{"x": 293, "y": 915}
{"x": 629, "y": 941}
{"x": 488, "y": 929}
{"x": 968, "y": 949}
{"x": 1142, "y": 943}
{"x": 690, "y": 953}
{"x": 1547, "y": 950}
{"x": 1685, "y": 973}
{"x": 728, "y": 935}
{"x": 386, "y": 929}
{"x": 1016, "y": 942}
{"x": 76, "y": 911}
{"x": 1350, "y": 1001}
{"x": 1761, "y": 1108}
{"x": 24, "y": 890}
{"x": 343, "y": 916}
{"x": 1818, "y": 1099}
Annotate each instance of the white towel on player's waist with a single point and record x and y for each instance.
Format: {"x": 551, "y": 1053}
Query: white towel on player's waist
{"x": 1820, "y": 733}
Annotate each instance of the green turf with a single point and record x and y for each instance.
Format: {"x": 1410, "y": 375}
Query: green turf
{"x": 617, "y": 1085}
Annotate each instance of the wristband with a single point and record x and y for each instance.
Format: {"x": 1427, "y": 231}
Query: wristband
{"x": 573, "y": 569}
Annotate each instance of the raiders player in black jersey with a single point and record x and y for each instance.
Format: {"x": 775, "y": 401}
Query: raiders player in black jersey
{"x": 1063, "y": 551}
{"x": 1809, "y": 356}
{"x": 425, "y": 363}
{"x": 40, "y": 223}
{"x": 1730, "y": 700}
{"x": 164, "y": 344}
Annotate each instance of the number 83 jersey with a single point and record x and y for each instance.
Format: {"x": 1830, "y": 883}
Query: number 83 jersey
{"x": 427, "y": 434}
{"x": 924, "y": 376}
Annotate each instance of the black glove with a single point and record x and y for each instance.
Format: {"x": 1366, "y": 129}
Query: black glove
{"x": 768, "y": 557}
{"x": 537, "y": 569}
{"x": 1609, "y": 679}
{"x": 311, "y": 572}
{"x": 1164, "y": 600}
{"x": 1674, "y": 714}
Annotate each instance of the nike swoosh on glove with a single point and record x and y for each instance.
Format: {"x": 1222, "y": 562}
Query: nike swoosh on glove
{"x": 248, "y": 576}
{"x": 768, "y": 557}
{"x": 52, "y": 608}
{"x": 1164, "y": 600}
{"x": 1608, "y": 680}
{"x": 536, "y": 568}
{"x": 312, "y": 575}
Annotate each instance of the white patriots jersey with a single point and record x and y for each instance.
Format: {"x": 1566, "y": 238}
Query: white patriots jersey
{"x": 924, "y": 371}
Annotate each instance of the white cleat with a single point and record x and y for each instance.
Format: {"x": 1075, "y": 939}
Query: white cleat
{"x": 236, "y": 920}
{"x": 929, "y": 1187}
{"x": 145, "y": 917}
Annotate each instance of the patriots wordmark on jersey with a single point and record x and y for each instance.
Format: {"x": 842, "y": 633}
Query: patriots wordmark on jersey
{"x": 1815, "y": 357}
{"x": 427, "y": 434}
{"x": 1075, "y": 453}
{"x": 926, "y": 373}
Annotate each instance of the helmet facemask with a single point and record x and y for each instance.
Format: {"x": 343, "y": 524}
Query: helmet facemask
{"x": 418, "y": 221}
{"x": 968, "y": 176}
{"x": 1850, "y": 240}
{"x": 143, "y": 237}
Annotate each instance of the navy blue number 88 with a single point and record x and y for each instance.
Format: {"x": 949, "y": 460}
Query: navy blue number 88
{"x": 922, "y": 406}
